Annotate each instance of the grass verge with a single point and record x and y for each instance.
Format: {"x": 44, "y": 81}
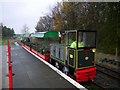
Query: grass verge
{"x": 3, "y": 42}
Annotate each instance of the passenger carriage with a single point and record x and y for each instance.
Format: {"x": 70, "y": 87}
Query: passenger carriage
{"x": 40, "y": 42}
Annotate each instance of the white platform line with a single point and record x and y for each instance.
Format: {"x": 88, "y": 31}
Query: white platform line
{"x": 16, "y": 44}
{"x": 76, "y": 84}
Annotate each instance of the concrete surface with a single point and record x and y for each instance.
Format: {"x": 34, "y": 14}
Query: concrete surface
{"x": 32, "y": 73}
{"x": 5, "y": 79}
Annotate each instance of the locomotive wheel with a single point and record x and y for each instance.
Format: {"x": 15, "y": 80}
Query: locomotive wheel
{"x": 74, "y": 76}
{"x": 56, "y": 65}
{"x": 65, "y": 70}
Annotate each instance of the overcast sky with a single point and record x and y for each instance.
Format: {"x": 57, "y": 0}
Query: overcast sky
{"x": 16, "y": 13}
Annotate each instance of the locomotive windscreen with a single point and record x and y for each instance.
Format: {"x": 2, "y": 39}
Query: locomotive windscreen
{"x": 71, "y": 37}
{"x": 87, "y": 39}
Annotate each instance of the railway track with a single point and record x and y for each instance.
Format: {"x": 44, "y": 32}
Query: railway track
{"x": 106, "y": 79}
{"x": 108, "y": 71}
{"x": 92, "y": 86}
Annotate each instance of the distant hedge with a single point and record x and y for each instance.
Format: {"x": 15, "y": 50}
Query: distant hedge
{"x": 7, "y": 32}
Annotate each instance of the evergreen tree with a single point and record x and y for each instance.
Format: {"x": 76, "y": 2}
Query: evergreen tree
{"x": 7, "y": 32}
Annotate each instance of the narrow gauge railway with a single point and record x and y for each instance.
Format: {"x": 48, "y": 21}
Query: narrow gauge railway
{"x": 65, "y": 58}
{"x": 113, "y": 64}
{"x": 92, "y": 86}
{"x": 105, "y": 79}
{"x": 102, "y": 82}
{"x": 108, "y": 71}
{"x": 107, "y": 82}
{"x": 77, "y": 60}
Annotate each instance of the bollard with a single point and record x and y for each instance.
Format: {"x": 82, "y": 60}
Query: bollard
{"x": 10, "y": 68}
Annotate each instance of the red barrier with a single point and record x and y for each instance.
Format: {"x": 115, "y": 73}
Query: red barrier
{"x": 10, "y": 68}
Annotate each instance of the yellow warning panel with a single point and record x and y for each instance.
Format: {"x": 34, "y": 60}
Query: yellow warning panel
{"x": 71, "y": 56}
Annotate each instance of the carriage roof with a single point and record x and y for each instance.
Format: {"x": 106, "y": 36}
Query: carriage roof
{"x": 25, "y": 35}
{"x": 48, "y": 34}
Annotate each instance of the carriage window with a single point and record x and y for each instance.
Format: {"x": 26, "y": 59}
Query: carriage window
{"x": 51, "y": 41}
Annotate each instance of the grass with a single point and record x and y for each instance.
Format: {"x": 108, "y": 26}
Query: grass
{"x": 5, "y": 41}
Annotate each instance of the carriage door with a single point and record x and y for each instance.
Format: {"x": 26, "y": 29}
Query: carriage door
{"x": 71, "y": 51}
{"x": 71, "y": 57}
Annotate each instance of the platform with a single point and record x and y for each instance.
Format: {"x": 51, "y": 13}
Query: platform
{"x": 4, "y": 67}
{"x": 30, "y": 72}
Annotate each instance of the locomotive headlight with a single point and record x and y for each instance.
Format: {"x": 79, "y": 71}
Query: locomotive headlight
{"x": 86, "y": 58}
{"x": 93, "y": 50}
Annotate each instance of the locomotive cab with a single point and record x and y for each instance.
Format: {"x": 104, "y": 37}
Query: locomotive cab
{"x": 81, "y": 46}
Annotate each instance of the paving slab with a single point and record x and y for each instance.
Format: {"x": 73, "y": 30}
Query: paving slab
{"x": 4, "y": 67}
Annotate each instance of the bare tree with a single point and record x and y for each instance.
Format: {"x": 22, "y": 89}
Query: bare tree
{"x": 25, "y": 29}
{"x": 44, "y": 24}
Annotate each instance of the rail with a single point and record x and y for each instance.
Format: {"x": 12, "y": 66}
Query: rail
{"x": 108, "y": 71}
